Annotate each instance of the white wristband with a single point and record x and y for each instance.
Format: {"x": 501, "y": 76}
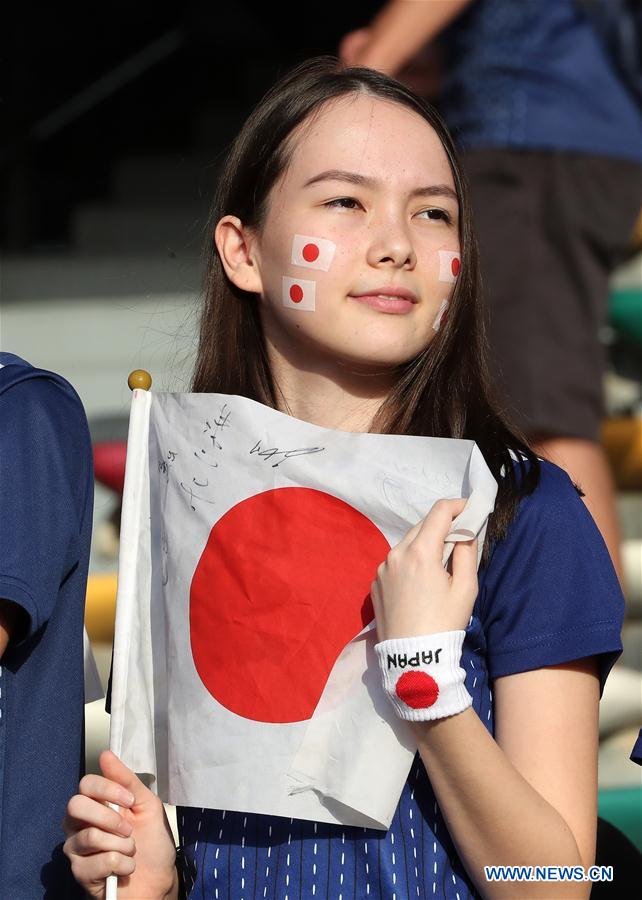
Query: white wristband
{"x": 422, "y": 675}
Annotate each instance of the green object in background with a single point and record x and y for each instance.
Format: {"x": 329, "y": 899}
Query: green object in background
{"x": 622, "y": 807}
{"x": 625, "y": 312}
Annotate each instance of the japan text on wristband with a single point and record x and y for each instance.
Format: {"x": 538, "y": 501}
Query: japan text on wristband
{"x": 422, "y": 675}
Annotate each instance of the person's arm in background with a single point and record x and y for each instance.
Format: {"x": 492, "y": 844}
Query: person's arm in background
{"x": 46, "y": 495}
{"x": 398, "y": 32}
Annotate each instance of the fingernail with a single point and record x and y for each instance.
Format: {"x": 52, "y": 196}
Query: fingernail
{"x": 125, "y": 828}
{"x": 125, "y": 798}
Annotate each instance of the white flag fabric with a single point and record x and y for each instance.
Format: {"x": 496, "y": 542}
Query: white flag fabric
{"x": 244, "y": 675}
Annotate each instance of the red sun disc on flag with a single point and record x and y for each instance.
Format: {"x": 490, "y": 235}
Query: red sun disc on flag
{"x": 296, "y": 293}
{"x": 419, "y": 690}
{"x": 282, "y": 586}
{"x": 310, "y": 252}
{"x": 455, "y": 266}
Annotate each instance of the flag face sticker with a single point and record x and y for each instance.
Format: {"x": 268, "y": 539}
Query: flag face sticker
{"x": 249, "y": 544}
{"x": 441, "y": 314}
{"x": 449, "y": 265}
{"x": 236, "y": 596}
{"x": 298, "y": 294}
{"x": 312, "y": 252}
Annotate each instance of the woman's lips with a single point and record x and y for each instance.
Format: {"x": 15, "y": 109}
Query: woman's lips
{"x": 396, "y": 305}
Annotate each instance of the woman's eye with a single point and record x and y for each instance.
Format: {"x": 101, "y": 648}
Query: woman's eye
{"x": 343, "y": 203}
{"x": 437, "y": 214}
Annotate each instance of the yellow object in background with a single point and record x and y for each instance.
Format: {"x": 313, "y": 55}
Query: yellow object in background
{"x": 100, "y": 607}
{"x": 622, "y": 441}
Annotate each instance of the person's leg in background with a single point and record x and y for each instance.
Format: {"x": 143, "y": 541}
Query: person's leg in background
{"x": 587, "y": 465}
{"x": 551, "y": 226}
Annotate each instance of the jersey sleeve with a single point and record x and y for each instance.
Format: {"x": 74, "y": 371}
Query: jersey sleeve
{"x": 551, "y": 594}
{"x": 45, "y": 461}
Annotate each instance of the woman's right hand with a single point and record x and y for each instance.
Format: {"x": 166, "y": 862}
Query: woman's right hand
{"x": 135, "y": 843}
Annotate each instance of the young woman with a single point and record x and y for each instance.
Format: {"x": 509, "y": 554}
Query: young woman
{"x": 506, "y": 774}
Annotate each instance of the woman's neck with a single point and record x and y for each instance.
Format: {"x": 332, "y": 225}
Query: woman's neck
{"x": 325, "y": 392}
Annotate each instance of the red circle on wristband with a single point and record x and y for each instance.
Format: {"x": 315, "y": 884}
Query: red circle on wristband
{"x": 417, "y": 690}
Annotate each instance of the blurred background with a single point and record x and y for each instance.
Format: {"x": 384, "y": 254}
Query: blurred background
{"x": 116, "y": 119}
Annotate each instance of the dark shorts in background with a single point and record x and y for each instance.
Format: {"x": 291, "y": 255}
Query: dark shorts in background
{"x": 551, "y": 227}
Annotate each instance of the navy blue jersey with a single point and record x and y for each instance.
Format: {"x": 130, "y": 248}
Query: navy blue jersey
{"x": 548, "y": 595}
{"x": 46, "y": 499}
{"x": 536, "y": 75}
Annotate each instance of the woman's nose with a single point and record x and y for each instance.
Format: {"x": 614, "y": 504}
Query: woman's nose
{"x": 391, "y": 246}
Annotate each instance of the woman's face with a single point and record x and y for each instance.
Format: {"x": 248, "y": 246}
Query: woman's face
{"x": 360, "y": 246}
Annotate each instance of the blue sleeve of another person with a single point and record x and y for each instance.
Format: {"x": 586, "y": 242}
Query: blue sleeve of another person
{"x": 43, "y": 480}
{"x": 551, "y": 594}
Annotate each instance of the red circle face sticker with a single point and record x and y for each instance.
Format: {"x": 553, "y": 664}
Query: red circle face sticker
{"x": 310, "y": 252}
{"x": 419, "y": 690}
{"x": 296, "y": 293}
{"x": 455, "y": 266}
{"x": 281, "y": 587}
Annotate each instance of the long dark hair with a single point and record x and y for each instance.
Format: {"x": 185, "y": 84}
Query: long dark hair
{"x": 443, "y": 392}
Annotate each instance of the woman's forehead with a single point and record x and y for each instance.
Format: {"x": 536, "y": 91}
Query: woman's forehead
{"x": 369, "y": 135}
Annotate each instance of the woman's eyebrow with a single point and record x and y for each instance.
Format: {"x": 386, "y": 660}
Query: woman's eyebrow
{"x": 340, "y": 175}
{"x": 431, "y": 190}
{"x": 435, "y": 190}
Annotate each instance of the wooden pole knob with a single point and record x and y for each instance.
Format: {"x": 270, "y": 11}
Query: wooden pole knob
{"x": 139, "y": 378}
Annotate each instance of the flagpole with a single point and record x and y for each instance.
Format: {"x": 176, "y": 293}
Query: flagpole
{"x": 139, "y": 379}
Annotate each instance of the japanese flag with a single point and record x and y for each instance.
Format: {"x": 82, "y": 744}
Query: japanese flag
{"x": 441, "y": 313}
{"x": 244, "y": 675}
{"x": 449, "y": 265}
{"x": 298, "y": 294}
{"x": 312, "y": 252}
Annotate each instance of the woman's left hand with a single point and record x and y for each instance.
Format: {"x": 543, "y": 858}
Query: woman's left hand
{"x": 413, "y": 594}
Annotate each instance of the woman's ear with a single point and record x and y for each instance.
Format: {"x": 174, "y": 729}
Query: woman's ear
{"x": 234, "y": 245}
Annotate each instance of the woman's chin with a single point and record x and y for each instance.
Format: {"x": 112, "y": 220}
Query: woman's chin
{"x": 379, "y": 362}
{"x": 382, "y": 364}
